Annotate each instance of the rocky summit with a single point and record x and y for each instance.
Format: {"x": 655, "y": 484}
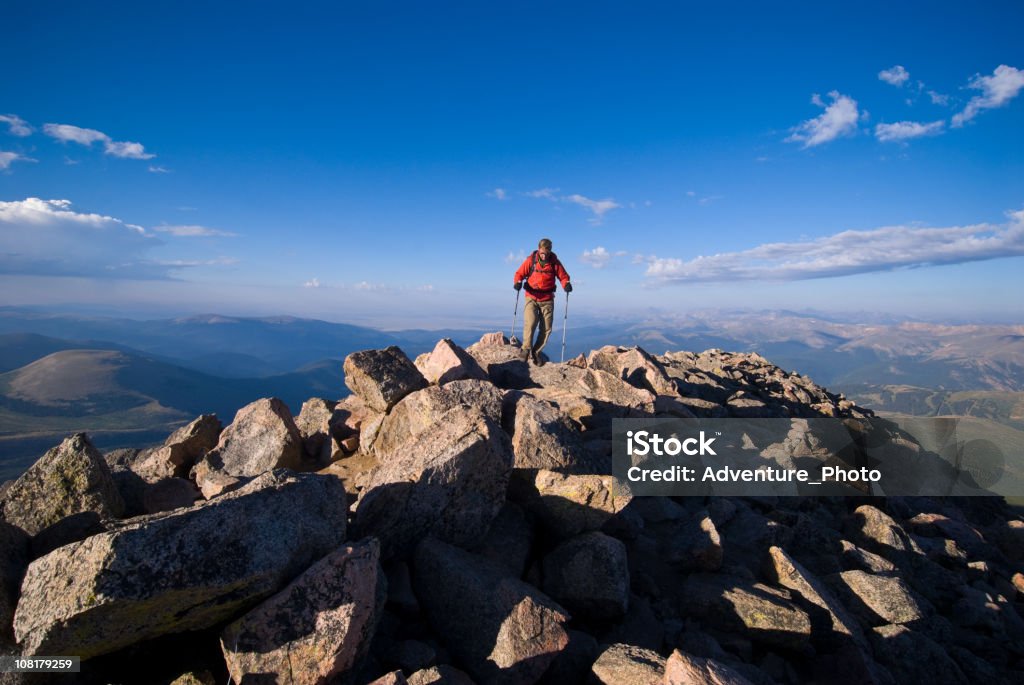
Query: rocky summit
{"x": 454, "y": 520}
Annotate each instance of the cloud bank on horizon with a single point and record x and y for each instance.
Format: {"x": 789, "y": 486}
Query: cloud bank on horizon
{"x": 850, "y": 252}
{"x": 49, "y": 238}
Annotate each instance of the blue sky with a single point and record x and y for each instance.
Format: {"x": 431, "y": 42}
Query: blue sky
{"x": 390, "y": 163}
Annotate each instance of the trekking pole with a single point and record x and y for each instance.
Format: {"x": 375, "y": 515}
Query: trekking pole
{"x": 565, "y": 320}
{"x": 512, "y": 333}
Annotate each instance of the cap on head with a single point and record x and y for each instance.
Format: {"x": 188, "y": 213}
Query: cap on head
{"x": 544, "y": 244}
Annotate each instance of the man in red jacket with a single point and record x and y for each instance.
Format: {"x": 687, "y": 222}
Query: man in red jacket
{"x": 539, "y": 272}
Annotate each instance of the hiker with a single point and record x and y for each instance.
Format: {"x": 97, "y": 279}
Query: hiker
{"x": 538, "y": 273}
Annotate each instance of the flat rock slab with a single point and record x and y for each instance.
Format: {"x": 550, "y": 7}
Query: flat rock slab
{"x": 880, "y": 599}
{"x": 382, "y": 377}
{"x": 915, "y": 658}
{"x": 185, "y": 570}
{"x": 318, "y": 628}
{"x": 756, "y": 611}
{"x": 620, "y": 664}
{"x": 502, "y": 630}
{"x": 684, "y": 669}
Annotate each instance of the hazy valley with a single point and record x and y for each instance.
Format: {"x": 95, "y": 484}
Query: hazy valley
{"x": 132, "y": 382}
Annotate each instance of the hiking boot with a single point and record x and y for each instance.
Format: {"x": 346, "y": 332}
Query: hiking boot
{"x": 525, "y": 353}
{"x": 538, "y": 359}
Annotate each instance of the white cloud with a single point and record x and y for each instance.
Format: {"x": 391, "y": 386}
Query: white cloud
{"x": 67, "y": 133}
{"x": 996, "y": 90}
{"x": 8, "y": 158}
{"x": 515, "y": 258}
{"x": 850, "y": 252}
{"x": 938, "y": 98}
{"x": 193, "y": 231}
{"x": 896, "y": 76}
{"x": 838, "y": 119}
{"x": 597, "y": 258}
{"x": 598, "y": 207}
{"x": 127, "y": 150}
{"x": 16, "y": 126}
{"x": 906, "y": 130}
{"x": 47, "y": 237}
{"x": 312, "y": 283}
{"x": 690, "y": 193}
{"x": 153, "y": 169}
{"x": 179, "y": 263}
{"x": 705, "y": 201}
{"x": 366, "y": 286}
{"x": 498, "y": 193}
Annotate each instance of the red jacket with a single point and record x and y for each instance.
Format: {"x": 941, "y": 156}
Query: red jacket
{"x": 541, "y": 284}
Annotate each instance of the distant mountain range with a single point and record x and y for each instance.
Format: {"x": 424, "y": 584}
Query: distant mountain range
{"x": 129, "y": 381}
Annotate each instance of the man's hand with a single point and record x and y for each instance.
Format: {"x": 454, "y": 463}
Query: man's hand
{"x": 567, "y": 287}
{"x": 518, "y": 285}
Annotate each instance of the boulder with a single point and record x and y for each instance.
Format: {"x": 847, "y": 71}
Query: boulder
{"x": 695, "y": 544}
{"x": 424, "y": 410}
{"x": 393, "y": 678}
{"x": 412, "y": 655}
{"x": 753, "y": 610}
{"x": 640, "y": 627}
{"x": 449, "y": 362}
{"x": 14, "y": 548}
{"x": 71, "y": 481}
{"x": 572, "y": 665}
{"x": 788, "y": 573}
{"x": 853, "y": 557}
{"x": 880, "y": 599}
{"x": 914, "y": 658}
{"x": 180, "y": 451}
{"x": 542, "y": 437}
{"x": 509, "y": 540}
{"x": 589, "y": 575}
{"x": 212, "y": 481}
{"x": 382, "y": 377}
{"x": 168, "y": 494}
{"x": 501, "y": 629}
{"x": 449, "y": 482}
{"x": 683, "y": 669}
{"x": 612, "y": 395}
{"x": 620, "y": 663}
{"x": 442, "y": 674}
{"x": 315, "y": 426}
{"x": 502, "y": 364}
{"x": 262, "y": 437}
{"x": 318, "y": 628}
{"x": 877, "y": 532}
{"x": 633, "y": 365}
{"x": 184, "y": 570}
{"x": 566, "y": 505}
{"x": 496, "y": 339}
